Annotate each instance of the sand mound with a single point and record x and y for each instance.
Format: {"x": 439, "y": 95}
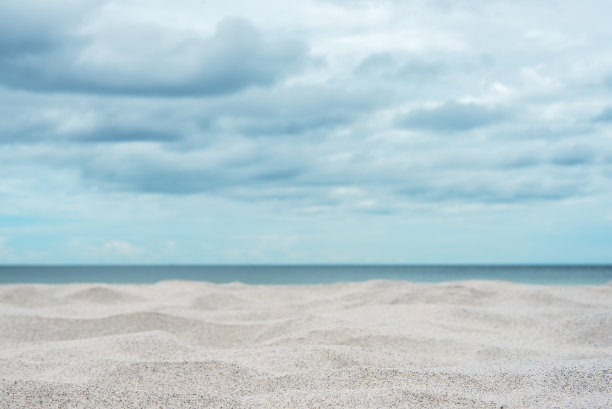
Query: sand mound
{"x": 473, "y": 344}
{"x": 103, "y": 295}
{"x": 27, "y": 296}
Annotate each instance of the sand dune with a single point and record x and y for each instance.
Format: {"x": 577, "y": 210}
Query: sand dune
{"x": 357, "y": 345}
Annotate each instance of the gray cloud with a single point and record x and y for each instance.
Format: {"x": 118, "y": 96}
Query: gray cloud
{"x": 420, "y": 70}
{"x": 74, "y": 127}
{"x": 126, "y": 134}
{"x": 187, "y": 124}
{"x": 14, "y": 44}
{"x": 574, "y": 155}
{"x": 288, "y": 126}
{"x": 391, "y": 67}
{"x": 604, "y": 116}
{"x": 135, "y": 61}
{"x": 31, "y": 28}
{"x": 452, "y": 116}
{"x": 297, "y": 110}
{"x": 302, "y": 173}
{"x": 107, "y": 135}
{"x": 375, "y": 63}
{"x": 479, "y": 190}
{"x": 150, "y": 169}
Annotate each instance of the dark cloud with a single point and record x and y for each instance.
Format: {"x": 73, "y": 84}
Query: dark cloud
{"x": 392, "y": 68}
{"x": 452, "y": 116}
{"x": 154, "y": 170}
{"x": 483, "y": 191}
{"x": 420, "y": 70}
{"x": 543, "y": 130}
{"x": 604, "y": 116}
{"x": 34, "y": 42}
{"x": 375, "y": 63}
{"x": 172, "y": 181}
{"x": 166, "y": 180}
{"x": 32, "y": 28}
{"x": 130, "y": 134}
{"x": 297, "y": 110}
{"x": 134, "y": 62}
{"x": 186, "y": 124}
{"x": 300, "y": 172}
{"x": 518, "y": 161}
{"x": 47, "y": 132}
{"x": 574, "y": 155}
{"x": 289, "y": 126}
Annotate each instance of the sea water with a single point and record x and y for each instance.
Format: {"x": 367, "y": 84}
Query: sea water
{"x": 309, "y": 274}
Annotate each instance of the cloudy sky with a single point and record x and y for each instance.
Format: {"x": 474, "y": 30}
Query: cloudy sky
{"x": 310, "y": 131}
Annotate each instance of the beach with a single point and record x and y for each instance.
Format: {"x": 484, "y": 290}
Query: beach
{"x": 375, "y": 344}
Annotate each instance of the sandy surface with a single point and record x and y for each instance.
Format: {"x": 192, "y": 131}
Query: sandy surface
{"x": 363, "y": 345}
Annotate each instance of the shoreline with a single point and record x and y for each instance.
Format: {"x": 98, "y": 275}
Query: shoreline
{"x": 307, "y": 275}
{"x": 301, "y": 285}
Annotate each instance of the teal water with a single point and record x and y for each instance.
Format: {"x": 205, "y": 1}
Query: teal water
{"x": 548, "y": 275}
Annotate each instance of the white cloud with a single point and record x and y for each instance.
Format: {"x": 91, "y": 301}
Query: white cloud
{"x": 122, "y": 248}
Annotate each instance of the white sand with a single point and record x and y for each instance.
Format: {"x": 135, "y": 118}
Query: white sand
{"x": 364, "y": 345}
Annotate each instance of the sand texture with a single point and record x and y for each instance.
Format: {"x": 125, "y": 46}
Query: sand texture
{"x": 378, "y": 344}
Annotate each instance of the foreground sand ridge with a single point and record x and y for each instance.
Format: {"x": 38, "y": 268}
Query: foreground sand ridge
{"x": 352, "y": 345}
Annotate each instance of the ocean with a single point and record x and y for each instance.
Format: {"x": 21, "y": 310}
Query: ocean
{"x": 307, "y": 274}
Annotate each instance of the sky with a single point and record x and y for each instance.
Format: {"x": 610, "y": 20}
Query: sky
{"x": 305, "y": 132}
